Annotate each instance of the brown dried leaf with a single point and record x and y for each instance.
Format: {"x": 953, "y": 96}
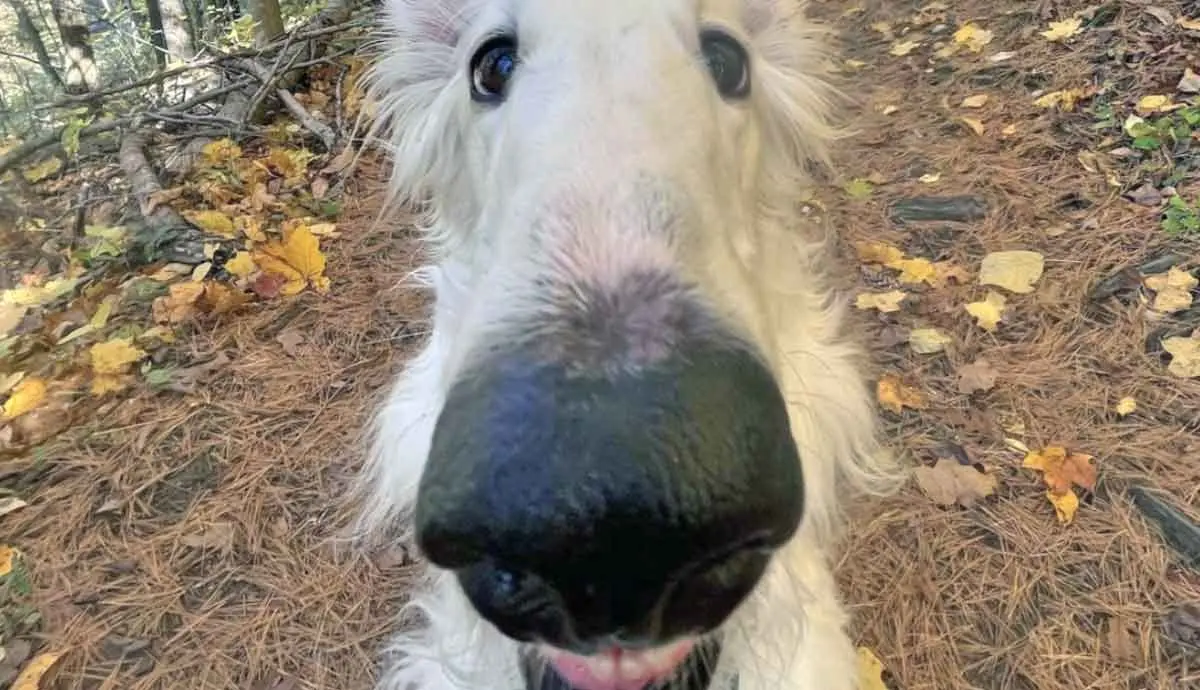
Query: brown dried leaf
{"x": 976, "y": 376}
{"x": 948, "y": 482}
{"x": 895, "y": 396}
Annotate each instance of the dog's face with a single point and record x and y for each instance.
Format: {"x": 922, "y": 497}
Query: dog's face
{"x": 612, "y": 467}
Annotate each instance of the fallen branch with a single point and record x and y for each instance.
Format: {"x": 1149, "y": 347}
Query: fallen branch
{"x": 184, "y": 242}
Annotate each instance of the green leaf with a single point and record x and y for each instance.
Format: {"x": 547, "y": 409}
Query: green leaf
{"x": 1147, "y": 143}
{"x": 70, "y": 135}
{"x": 858, "y": 188}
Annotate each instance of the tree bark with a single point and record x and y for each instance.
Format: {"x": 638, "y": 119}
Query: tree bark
{"x": 158, "y": 35}
{"x": 32, "y": 38}
{"x": 176, "y": 30}
{"x": 82, "y": 73}
{"x": 268, "y": 20}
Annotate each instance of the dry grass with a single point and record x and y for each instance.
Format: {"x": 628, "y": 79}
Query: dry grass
{"x": 190, "y": 541}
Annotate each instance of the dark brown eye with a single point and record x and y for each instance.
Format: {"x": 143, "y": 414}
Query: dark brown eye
{"x": 727, "y": 62}
{"x": 492, "y": 67}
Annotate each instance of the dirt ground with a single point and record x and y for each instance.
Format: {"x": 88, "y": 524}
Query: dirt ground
{"x": 190, "y": 539}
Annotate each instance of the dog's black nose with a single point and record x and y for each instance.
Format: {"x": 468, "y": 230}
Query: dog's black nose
{"x": 642, "y": 503}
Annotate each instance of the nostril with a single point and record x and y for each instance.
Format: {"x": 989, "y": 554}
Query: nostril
{"x": 519, "y": 603}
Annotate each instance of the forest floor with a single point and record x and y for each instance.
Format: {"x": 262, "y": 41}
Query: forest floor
{"x": 172, "y": 475}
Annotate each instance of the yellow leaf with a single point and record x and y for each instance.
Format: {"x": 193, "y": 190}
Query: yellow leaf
{"x": 976, "y": 101}
{"x": 1148, "y": 105}
{"x": 241, "y": 265}
{"x": 877, "y": 253}
{"x": 1126, "y": 406}
{"x": 1015, "y": 271}
{"x": 1064, "y": 100}
{"x": 100, "y": 318}
{"x": 973, "y": 37}
{"x": 324, "y": 229}
{"x": 1185, "y": 356}
{"x": 297, "y": 258}
{"x": 988, "y": 312}
{"x": 103, "y": 384}
{"x": 885, "y": 302}
{"x": 8, "y": 557}
{"x": 33, "y": 296}
{"x": 212, "y": 221}
{"x": 252, "y": 228}
{"x": 1173, "y": 290}
{"x": 201, "y": 271}
{"x": 975, "y": 125}
{"x": 1009, "y": 130}
{"x": 930, "y": 178}
{"x": 870, "y": 670}
{"x": 1065, "y": 505}
{"x": 115, "y": 356}
{"x": 915, "y": 271}
{"x": 855, "y": 64}
{"x": 220, "y": 151}
{"x": 1062, "y": 470}
{"x": 1060, "y": 31}
{"x": 179, "y": 304}
{"x": 893, "y": 395}
{"x": 26, "y": 397}
{"x": 927, "y": 341}
{"x": 902, "y": 48}
{"x": 31, "y": 675}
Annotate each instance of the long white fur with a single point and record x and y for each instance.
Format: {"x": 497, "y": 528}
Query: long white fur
{"x": 790, "y": 634}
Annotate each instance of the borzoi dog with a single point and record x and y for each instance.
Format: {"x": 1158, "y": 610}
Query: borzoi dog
{"x": 622, "y": 450}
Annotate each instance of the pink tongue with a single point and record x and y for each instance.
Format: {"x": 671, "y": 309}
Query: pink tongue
{"x": 611, "y": 670}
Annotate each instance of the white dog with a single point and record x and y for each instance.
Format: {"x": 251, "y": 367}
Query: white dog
{"x": 622, "y": 449}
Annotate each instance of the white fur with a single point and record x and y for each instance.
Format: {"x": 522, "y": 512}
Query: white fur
{"x": 739, "y": 169}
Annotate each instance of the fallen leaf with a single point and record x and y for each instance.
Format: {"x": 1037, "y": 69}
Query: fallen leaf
{"x": 1189, "y": 24}
{"x": 1015, "y": 271}
{"x": 947, "y": 271}
{"x": 8, "y": 558}
{"x": 927, "y": 341}
{"x": 36, "y": 173}
{"x": 1173, "y": 290}
{"x": 297, "y": 259}
{"x": 988, "y": 312}
{"x": 179, "y": 304}
{"x": 878, "y": 253}
{"x": 1061, "y": 471}
{"x": 930, "y": 178}
{"x": 977, "y": 101}
{"x": 1189, "y": 82}
{"x": 341, "y": 161}
{"x": 858, "y": 188}
{"x": 1060, "y": 31}
{"x": 219, "y": 152}
{"x": 220, "y": 298}
{"x": 949, "y": 482}
{"x": 870, "y": 671}
{"x": 1148, "y": 105}
{"x": 1065, "y": 505}
{"x": 1065, "y": 100}
{"x": 290, "y": 340}
{"x": 1126, "y": 406}
{"x": 975, "y": 125}
{"x": 212, "y": 221}
{"x": 885, "y": 302}
{"x": 10, "y": 317}
{"x": 319, "y": 187}
{"x": 31, "y": 675}
{"x": 973, "y": 37}
{"x": 900, "y": 49}
{"x": 915, "y": 271}
{"x": 1185, "y": 356}
{"x": 977, "y": 376}
{"x": 241, "y": 265}
{"x": 10, "y": 504}
{"x": 115, "y": 356}
{"x": 218, "y": 535}
{"x": 27, "y": 396}
{"x": 893, "y": 395}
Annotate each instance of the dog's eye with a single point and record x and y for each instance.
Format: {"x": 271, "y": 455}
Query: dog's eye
{"x": 727, "y": 62}
{"x": 492, "y": 66}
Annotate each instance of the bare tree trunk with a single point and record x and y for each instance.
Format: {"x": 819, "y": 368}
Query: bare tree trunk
{"x": 175, "y": 23}
{"x": 268, "y": 20}
{"x": 82, "y": 73}
{"x": 32, "y": 38}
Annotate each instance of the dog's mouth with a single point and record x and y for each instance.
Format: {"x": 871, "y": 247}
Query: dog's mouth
{"x": 682, "y": 665}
